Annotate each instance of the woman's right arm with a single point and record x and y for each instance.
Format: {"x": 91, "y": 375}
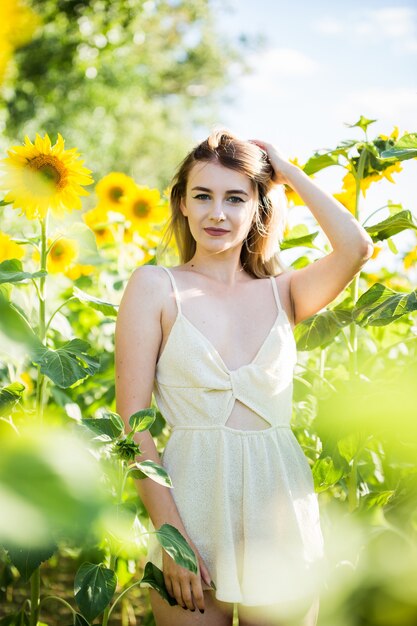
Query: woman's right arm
{"x": 137, "y": 341}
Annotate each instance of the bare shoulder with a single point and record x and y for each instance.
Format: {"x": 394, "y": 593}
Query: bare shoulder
{"x": 138, "y": 337}
{"x": 148, "y": 282}
{"x": 283, "y": 282}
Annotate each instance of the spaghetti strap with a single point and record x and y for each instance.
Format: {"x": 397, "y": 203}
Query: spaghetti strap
{"x": 174, "y": 286}
{"x": 275, "y": 290}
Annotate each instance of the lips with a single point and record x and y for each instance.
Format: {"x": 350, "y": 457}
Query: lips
{"x": 216, "y": 231}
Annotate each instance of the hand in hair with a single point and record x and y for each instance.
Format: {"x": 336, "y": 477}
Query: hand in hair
{"x": 279, "y": 163}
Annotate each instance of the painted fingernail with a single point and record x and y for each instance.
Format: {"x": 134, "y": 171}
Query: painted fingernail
{"x": 201, "y": 610}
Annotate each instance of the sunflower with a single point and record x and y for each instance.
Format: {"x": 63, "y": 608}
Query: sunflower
{"x": 77, "y": 270}
{"x": 18, "y": 22}
{"x": 40, "y": 176}
{"x": 143, "y": 207}
{"x": 410, "y": 258}
{"x": 9, "y": 249}
{"x": 62, "y": 254}
{"x": 113, "y": 189}
{"x": 377, "y": 250}
{"x": 27, "y": 380}
{"x": 98, "y": 220}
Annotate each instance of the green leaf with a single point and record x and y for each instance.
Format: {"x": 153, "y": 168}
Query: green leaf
{"x": 11, "y": 271}
{"x": 405, "y": 148}
{"x": 154, "y": 471}
{"x": 392, "y": 246}
{"x": 17, "y": 619}
{"x": 293, "y": 242}
{"x": 94, "y": 587}
{"x": 102, "y": 426}
{"x": 348, "y": 446}
{"x": 319, "y": 162}
{"x": 117, "y": 421}
{"x": 67, "y": 365}
{"x": 325, "y": 473}
{"x": 142, "y": 420}
{"x": 9, "y": 396}
{"x": 15, "y": 325}
{"x": 79, "y": 620}
{"x": 177, "y": 547}
{"x": 320, "y": 329}
{"x": 99, "y": 305}
{"x": 155, "y": 578}
{"x": 363, "y": 123}
{"x": 375, "y": 499}
{"x": 27, "y": 560}
{"x": 381, "y": 305}
{"x": 391, "y": 226}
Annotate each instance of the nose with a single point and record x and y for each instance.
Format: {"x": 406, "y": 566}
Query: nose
{"x": 217, "y": 212}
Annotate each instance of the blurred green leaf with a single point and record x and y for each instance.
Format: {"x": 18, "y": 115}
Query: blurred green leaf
{"x": 11, "y": 271}
{"x": 27, "y": 560}
{"x": 9, "y": 396}
{"x": 15, "y": 325}
{"x": 99, "y": 305}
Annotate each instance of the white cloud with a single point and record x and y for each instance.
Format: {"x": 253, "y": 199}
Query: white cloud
{"x": 328, "y": 25}
{"x": 395, "y": 106}
{"x": 277, "y": 62}
{"x": 396, "y": 24}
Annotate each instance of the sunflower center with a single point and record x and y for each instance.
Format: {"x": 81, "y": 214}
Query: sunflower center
{"x": 115, "y": 193}
{"x": 57, "y": 251}
{"x": 141, "y": 209}
{"x": 50, "y": 168}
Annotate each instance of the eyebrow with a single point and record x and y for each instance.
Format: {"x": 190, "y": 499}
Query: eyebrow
{"x": 228, "y": 191}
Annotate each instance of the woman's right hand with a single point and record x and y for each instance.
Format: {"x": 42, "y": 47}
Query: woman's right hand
{"x": 182, "y": 584}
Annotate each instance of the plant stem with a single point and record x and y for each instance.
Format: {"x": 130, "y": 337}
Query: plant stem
{"x": 354, "y": 287}
{"x": 106, "y": 613}
{"x": 58, "y": 599}
{"x": 42, "y": 322}
{"x": 35, "y": 587}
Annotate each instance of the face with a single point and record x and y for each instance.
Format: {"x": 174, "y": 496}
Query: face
{"x": 218, "y": 197}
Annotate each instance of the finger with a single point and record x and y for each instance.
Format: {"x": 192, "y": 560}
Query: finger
{"x": 198, "y": 594}
{"x": 186, "y": 594}
{"x": 205, "y": 575}
{"x": 178, "y": 594}
{"x": 168, "y": 585}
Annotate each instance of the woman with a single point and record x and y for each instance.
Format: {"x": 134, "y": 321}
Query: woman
{"x": 213, "y": 339}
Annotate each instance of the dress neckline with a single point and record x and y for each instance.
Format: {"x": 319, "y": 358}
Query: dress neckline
{"x": 209, "y": 343}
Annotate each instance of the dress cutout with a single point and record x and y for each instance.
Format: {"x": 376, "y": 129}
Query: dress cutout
{"x": 245, "y": 497}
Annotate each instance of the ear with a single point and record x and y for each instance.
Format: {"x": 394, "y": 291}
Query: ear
{"x": 183, "y": 208}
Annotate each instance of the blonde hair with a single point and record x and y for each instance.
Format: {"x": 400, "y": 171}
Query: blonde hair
{"x": 260, "y": 255}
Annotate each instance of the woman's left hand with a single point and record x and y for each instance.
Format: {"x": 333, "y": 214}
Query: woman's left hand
{"x": 280, "y": 164}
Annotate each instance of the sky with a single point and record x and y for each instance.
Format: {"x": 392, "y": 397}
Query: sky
{"x": 323, "y": 64}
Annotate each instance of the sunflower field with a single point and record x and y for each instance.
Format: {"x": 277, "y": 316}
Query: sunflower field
{"x": 74, "y": 226}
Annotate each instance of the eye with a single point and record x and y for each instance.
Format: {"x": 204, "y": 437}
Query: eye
{"x": 236, "y": 198}
{"x": 201, "y": 195}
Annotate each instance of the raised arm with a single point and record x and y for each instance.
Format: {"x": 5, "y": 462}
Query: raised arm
{"x": 318, "y": 284}
{"x": 137, "y": 341}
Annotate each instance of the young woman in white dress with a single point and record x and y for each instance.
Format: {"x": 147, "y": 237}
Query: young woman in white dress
{"x": 232, "y": 185}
